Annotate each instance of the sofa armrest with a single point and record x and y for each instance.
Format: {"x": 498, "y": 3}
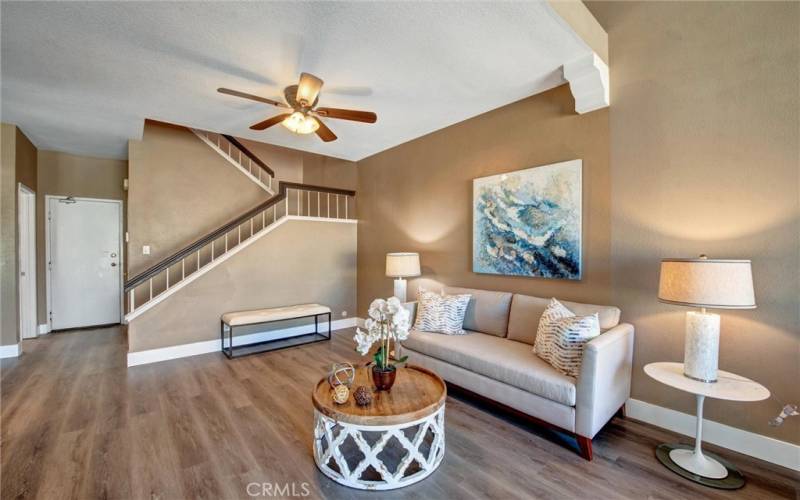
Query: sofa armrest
{"x": 604, "y": 384}
{"x": 412, "y": 309}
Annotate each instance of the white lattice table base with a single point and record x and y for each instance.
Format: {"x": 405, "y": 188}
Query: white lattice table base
{"x": 379, "y": 457}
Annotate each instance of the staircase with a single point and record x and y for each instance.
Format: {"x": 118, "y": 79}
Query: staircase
{"x": 293, "y": 201}
{"x": 240, "y": 157}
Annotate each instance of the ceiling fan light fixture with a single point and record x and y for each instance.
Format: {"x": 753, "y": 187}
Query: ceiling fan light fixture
{"x": 300, "y": 123}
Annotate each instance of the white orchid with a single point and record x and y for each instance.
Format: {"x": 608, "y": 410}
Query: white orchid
{"x": 388, "y": 320}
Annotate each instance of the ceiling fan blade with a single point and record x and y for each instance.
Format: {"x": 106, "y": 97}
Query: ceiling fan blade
{"x": 348, "y": 114}
{"x": 252, "y": 97}
{"x": 308, "y": 89}
{"x": 324, "y": 132}
{"x": 270, "y": 121}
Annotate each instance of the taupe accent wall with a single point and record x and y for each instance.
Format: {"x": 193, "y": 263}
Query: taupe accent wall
{"x": 180, "y": 190}
{"x": 417, "y": 197}
{"x": 287, "y": 266}
{"x": 17, "y": 164}
{"x": 705, "y": 158}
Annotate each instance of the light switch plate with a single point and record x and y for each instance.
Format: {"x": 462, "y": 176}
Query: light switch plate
{"x": 146, "y": 250}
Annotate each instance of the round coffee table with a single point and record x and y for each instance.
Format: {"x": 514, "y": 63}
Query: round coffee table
{"x": 395, "y": 441}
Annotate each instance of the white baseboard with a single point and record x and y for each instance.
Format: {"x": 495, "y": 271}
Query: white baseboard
{"x": 762, "y": 447}
{"x": 207, "y": 346}
{"x": 9, "y": 351}
{"x": 44, "y": 329}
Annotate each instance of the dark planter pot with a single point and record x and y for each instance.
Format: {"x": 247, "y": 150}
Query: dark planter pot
{"x": 383, "y": 379}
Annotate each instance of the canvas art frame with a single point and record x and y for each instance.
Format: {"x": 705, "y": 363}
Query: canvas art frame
{"x": 529, "y": 222}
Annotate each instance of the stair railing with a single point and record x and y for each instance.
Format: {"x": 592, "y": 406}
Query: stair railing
{"x": 237, "y": 153}
{"x": 293, "y": 200}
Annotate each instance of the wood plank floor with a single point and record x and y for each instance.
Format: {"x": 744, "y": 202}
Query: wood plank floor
{"x": 76, "y": 423}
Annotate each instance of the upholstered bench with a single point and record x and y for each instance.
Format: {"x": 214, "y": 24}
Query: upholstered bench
{"x": 262, "y": 316}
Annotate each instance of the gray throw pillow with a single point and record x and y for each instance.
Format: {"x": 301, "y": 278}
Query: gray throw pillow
{"x": 439, "y": 313}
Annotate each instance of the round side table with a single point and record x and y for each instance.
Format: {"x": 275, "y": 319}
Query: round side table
{"x": 395, "y": 441}
{"x": 691, "y": 463}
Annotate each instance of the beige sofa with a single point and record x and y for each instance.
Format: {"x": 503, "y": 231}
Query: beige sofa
{"x": 496, "y": 362}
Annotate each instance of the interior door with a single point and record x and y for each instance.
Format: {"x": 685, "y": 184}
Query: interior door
{"x": 27, "y": 262}
{"x": 85, "y": 262}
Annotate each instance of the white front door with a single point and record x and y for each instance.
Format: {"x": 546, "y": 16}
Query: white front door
{"x": 85, "y": 262}
{"x": 26, "y": 209}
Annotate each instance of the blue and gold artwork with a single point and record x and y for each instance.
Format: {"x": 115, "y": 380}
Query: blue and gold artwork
{"x": 528, "y": 223}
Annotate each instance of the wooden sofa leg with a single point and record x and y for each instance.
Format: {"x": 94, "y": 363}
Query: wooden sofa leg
{"x": 621, "y": 412}
{"x": 585, "y": 445}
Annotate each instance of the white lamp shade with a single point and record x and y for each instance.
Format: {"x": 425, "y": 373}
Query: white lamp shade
{"x": 402, "y": 264}
{"x": 712, "y": 283}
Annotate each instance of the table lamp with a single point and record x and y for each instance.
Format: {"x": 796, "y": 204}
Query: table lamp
{"x": 705, "y": 283}
{"x": 401, "y": 265}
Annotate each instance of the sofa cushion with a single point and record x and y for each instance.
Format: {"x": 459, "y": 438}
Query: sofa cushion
{"x": 523, "y": 319}
{"x": 487, "y": 311}
{"x": 504, "y": 360}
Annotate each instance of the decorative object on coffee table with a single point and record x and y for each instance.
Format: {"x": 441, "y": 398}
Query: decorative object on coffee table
{"x": 340, "y": 393}
{"x": 396, "y": 441}
{"x": 341, "y": 374}
{"x": 388, "y": 321}
{"x": 705, "y": 283}
{"x": 363, "y": 395}
{"x": 401, "y": 265}
{"x": 692, "y": 463}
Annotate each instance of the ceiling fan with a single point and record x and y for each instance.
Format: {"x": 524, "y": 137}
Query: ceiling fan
{"x": 304, "y": 117}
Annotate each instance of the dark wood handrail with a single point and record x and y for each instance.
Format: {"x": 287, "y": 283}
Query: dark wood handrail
{"x": 238, "y": 145}
{"x": 208, "y": 238}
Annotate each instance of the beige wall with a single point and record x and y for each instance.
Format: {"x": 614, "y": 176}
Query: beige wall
{"x": 64, "y": 174}
{"x": 286, "y": 266}
{"x": 17, "y": 164}
{"x": 180, "y": 190}
{"x": 321, "y": 170}
{"x": 705, "y": 154}
{"x": 418, "y": 196}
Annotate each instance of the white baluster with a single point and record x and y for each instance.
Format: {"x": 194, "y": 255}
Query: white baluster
{"x": 183, "y": 269}
{"x": 328, "y": 197}
{"x": 240, "y": 234}
{"x": 287, "y": 202}
{"x": 212, "y": 250}
{"x": 251, "y": 226}
{"x": 299, "y": 197}
{"x": 263, "y": 219}
{"x": 319, "y": 206}
{"x": 274, "y": 213}
{"x": 346, "y": 202}
{"x": 167, "y": 278}
{"x": 198, "y": 260}
{"x": 151, "y": 288}
{"x": 226, "y": 242}
{"x": 132, "y": 295}
{"x": 337, "y": 206}
{"x": 308, "y": 199}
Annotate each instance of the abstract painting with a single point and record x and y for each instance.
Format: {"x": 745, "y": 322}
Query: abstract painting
{"x": 528, "y": 223}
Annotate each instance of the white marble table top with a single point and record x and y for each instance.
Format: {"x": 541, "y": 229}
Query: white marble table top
{"x": 728, "y": 386}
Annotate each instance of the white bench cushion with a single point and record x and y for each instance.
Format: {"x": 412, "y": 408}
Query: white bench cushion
{"x": 239, "y": 318}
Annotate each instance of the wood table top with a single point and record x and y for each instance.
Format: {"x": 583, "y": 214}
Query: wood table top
{"x": 417, "y": 393}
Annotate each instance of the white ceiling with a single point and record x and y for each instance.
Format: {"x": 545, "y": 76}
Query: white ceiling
{"x": 82, "y": 77}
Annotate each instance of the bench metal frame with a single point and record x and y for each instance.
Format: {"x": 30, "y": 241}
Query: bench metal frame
{"x": 270, "y": 345}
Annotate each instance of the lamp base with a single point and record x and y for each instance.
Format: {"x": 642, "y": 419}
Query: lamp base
{"x": 400, "y": 289}
{"x": 701, "y": 349}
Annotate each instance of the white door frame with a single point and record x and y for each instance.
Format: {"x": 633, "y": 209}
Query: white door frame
{"x": 47, "y": 199}
{"x": 27, "y": 297}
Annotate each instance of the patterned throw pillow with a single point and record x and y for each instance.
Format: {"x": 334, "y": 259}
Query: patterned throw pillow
{"x": 564, "y": 337}
{"x": 439, "y": 313}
